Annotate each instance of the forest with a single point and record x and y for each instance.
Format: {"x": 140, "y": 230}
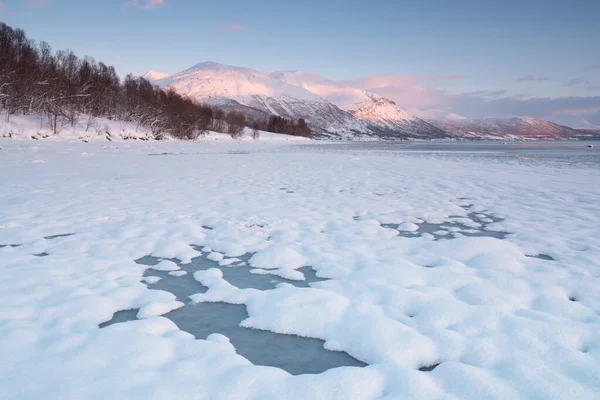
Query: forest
{"x": 66, "y": 89}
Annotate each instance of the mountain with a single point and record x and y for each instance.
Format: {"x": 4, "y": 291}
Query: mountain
{"x": 330, "y": 109}
{"x": 382, "y": 115}
{"x": 257, "y": 94}
{"x": 518, "y": 128}
{"x": 152, "y": 76}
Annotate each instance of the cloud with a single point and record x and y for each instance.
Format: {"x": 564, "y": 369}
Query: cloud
{"x": 422, "y": 96}
{"x": 147, "y": 4}
{"x": 593, "y": 67}
{"x": 532, "y": 78}
{"x": 578, "y": 81}
{"x": 231, "y": 27}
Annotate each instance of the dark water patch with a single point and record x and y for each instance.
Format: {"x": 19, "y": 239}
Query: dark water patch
{"x": 294, "y": 354}
{"x": 573, "y": 299}
{"x": 44, "y": 254}
{"x": 207, "y": 227}
{"x": 120, "y": 317}
{"x": 166, "y": 154}
{"x": 545, "y": 257}
{"x": 61, "y": 235}
{"x": 452, "y": 229}
{"x": 240, "y": 276}
{"x": 10, "y": 245}
{"x": 429, "y": 368}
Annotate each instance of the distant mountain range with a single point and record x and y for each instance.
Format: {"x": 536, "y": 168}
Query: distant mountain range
{"x": 518, "y": 128}
{"x": 337, "y": 111}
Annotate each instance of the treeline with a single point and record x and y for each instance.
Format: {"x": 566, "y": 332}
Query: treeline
{"x": 64, "y": 88}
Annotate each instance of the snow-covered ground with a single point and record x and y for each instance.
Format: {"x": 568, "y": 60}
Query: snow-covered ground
{"x": 88, "y": 129}
{"x": 493, "y": 322}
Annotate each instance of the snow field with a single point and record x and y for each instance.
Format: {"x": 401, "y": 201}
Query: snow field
{"x": 499, "y": 324}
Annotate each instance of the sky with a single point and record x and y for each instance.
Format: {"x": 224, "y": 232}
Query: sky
{"x": 436, "y": 58}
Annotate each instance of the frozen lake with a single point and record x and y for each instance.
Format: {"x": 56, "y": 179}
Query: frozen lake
{"x": 334, "y": 271}
{"x": 534, "y": 152}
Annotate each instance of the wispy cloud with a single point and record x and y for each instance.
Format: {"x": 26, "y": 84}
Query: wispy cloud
{"x": 532, "y": 78}
{"x": 578, "y": 81}
{"x": 234, "y": 27}
{"x": 147, "y": 4}
{"x": 593, "y": 67}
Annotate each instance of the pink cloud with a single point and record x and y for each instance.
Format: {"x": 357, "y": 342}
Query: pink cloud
{"x": 147, "y": 4}
{"x": 231, "y": 27}
{"x": 376, "y": 82}
{"x": 593, "y": 67}
{"x": 151, "y": 4}
{"x": 576, "y": 111}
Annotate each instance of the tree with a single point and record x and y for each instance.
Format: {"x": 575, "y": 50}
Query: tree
{"x": 255, "y": 131}
{"x": 235, "y": 124}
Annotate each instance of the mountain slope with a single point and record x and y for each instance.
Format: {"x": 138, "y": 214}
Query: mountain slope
{"x": 382, "y": 115}
{"x": 152, "y": 76}
{"x": 331, "y": 109}
{"x": 518, "y": 128}
{"x": 255, "y": 92}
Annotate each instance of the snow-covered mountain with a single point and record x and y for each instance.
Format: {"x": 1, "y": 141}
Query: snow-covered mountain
{"x": 152, "y": 76}
{"x": 517, "y": 128}
{"x": 329, "y": 108}
{"x": 383, "y": 115}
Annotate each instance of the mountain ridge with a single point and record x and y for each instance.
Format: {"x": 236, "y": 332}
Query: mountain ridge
{"x": 281, "y": 93}
{"x": 512, "y": 128}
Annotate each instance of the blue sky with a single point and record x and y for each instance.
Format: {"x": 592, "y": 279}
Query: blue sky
{"x": 488, "y": 49}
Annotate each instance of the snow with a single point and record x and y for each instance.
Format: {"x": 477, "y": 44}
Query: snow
{"x": 152, "y": 76}
{"x": 277, "y": 256}
{"x": 468, "y": 317}
{"x": 210, "y": 79}
{"x": 93, "y": 129}
{"x": 166, "y": 265}
{"x": 408, "y": 227}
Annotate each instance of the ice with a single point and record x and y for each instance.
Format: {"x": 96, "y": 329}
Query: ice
{"x": 512, "y": 311}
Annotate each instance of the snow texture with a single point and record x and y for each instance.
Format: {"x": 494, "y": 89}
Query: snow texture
{"x": 471, "y": 317}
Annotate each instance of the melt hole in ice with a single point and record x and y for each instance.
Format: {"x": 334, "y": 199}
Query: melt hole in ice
{"x": 294, "y": 354}
{"x": 475, "y": 225}
{"x": 61, "y": 235}
{"x": 542, "y": 257}
{"x": 429, "y": 368}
